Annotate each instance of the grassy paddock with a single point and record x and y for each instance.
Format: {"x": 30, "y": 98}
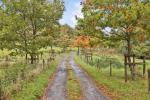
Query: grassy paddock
{"x": 73, "y": 88}
{"x": 132, "y": 90}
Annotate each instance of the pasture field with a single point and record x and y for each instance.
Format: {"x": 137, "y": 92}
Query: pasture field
{"x": 115, "y": 84}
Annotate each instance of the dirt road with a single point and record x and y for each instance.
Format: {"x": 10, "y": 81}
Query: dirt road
{"x": 90, "y": 91}
{"x": 57, "y": 91}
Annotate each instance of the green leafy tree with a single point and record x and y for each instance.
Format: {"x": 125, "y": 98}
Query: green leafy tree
{"x": 66, "y": 36}
{"x": 123, "y": 17}
{"x": 29, "y": 25}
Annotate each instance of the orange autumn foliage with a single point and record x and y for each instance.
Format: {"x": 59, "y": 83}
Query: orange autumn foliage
{"x": 81, "y": 41}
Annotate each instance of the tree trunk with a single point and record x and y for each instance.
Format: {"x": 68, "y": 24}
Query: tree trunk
{"x": 26, "y": 56}
{"x": 78, "y": 51}
{"x": 32, "y": 58}
{"x": 129, "y": 49}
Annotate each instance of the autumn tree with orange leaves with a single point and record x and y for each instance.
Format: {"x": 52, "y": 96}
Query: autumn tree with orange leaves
{"x": 81, "y": 42}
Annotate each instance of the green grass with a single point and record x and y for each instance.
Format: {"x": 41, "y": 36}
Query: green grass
{"x": 132, "y": 90}
{"x": 35, "y": 89}
{"x": 13, "y": 71}
{"x": 73, "y": 88}
{"x": 105, "y": 61}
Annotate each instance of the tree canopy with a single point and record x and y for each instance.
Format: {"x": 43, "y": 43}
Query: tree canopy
{"x": 28, "y": 25}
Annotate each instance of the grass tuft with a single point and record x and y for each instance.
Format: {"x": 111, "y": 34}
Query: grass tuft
{"x": 73, "y": 88}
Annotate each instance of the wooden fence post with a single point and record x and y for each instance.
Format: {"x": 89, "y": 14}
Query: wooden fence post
{"x": 144, "y": 66}
{"x": 22, "y": 74}
{"x": 87, "y": 59}
{"x": 43, "y": 63}
{"x": 97, "y": 63}
{"x": 148, "y": 80}
{"x": 125, "y": 66}
{"x": 133, "y": 68}
{"x": 92, "y": 58}
{"x": 110, "y": 68}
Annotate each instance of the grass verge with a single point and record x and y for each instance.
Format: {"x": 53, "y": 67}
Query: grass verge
{"x": 132, "y": 90}
{"x": 73, "y": 88}
{"x": 34, "y": 89}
